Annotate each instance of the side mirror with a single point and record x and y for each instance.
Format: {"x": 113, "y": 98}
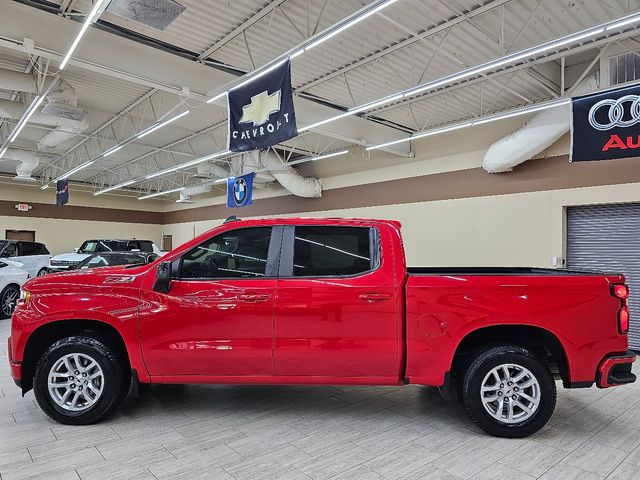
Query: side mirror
{"x": 75, "y": 250}
{"x": 163, "y": 278}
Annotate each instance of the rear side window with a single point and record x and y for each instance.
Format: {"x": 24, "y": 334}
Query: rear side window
{"x": 41, "y": 249}
{"x": 146, "y": 247}
{"x": 28, "y": 248}
{"x": 331, "y": 251}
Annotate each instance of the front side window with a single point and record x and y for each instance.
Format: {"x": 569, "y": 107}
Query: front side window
{"x": 28, "y": 248}
{"x": 9, "y": 250}
{"x": 331, "y": 251}
{"x": 239, "y": 253}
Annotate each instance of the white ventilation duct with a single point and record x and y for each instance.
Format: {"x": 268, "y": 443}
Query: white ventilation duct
{"x": 61, "y": 110}
{"x": 211, "y": 170}
{"x": 27, "y": 162}
{"x": 538, "y": 133}
{"x": 187, "y": 193}
{"x": 286, "y": 175}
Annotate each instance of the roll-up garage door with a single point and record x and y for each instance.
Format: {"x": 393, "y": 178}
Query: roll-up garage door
{"x": 607, "y": 238}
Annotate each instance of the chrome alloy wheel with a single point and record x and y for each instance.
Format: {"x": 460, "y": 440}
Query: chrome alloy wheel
{"x": 9, "y": 300}
{"x": 75, "y": 382}
{"x": 510, "y": 393}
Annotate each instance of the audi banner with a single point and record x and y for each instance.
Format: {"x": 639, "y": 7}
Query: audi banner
{"x": 606, "y": 125}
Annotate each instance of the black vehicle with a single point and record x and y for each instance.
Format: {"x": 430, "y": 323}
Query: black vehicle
{"x": 110, "y": 259}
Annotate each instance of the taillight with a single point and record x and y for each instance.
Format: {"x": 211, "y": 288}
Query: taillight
{"x": 623, "y": 320}
{"x": 621, "y": 291}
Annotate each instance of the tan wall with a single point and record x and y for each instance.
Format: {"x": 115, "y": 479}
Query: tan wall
{"x": 63, "y": 235}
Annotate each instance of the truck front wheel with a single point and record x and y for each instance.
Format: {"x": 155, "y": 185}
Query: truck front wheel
{"x": 79, "y": 380}
{"x": 508, "y": 392}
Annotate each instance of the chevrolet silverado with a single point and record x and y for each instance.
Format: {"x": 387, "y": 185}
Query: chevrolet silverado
{"x": 319, "y": 301}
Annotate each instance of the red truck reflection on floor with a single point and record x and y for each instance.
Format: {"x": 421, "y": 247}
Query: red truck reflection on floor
{"x": 319, "y": 301}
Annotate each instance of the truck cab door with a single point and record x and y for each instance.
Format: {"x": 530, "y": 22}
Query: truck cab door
{"x": 217, "y": 318}
{"x": 337, "y": 310}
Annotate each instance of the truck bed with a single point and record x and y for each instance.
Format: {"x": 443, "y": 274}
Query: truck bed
{"x": 495, "y": 271}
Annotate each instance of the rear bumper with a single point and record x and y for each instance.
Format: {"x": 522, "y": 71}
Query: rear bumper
{"x": 616, "y": 370}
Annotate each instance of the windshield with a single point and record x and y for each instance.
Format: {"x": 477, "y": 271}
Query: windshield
{"x": 98, "y": 246}
{"x": 111, "y": 260}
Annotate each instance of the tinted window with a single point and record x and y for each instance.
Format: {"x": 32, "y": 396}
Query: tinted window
{"x": 145, "y": 246}
{"x": 322, "y": 251}
{"x": 28, "y": 248}
{"x": 42, "y": 250}
{"x": 9, "y": 250}
{"x": 236, "y": 254}
{"x": 112, "y": 260}
{"x": 93, "y": 246}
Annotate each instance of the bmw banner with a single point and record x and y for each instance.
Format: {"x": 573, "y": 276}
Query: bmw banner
{"x": 240, "y": 191}
{"x": 606, "y": 125}
{"x": 261, "y": 112}
{"x": 62, "y": 191}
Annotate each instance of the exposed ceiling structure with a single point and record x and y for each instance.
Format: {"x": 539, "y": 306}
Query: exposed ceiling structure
{"x": 145, "y": 62}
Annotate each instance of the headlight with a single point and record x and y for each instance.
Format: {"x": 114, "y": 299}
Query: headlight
{"x": 25, "y": 297}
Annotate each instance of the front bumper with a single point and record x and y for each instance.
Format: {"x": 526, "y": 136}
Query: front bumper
{"x": 616, "y": 370}
{"x": 14, "y": 367}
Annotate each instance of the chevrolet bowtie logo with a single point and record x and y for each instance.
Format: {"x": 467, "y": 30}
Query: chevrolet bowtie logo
{"x": 261, "y": 106}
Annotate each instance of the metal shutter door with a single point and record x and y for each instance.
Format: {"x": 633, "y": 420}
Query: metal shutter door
{"x": 607, "y": 238}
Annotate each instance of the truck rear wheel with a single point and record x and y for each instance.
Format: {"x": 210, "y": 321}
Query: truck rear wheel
{"x": 80, "y": 380}
{"x": 508, "y": 392}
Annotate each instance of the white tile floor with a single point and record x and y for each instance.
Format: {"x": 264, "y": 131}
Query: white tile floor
{"x": 355, "y": 433}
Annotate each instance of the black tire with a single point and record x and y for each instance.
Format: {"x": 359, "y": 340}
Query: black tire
{"x": 482, "y": 365}
{"x": 116, "y": 374}
{"x": 8, "y": 298}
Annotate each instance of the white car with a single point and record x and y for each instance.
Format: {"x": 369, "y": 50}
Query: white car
{"x": 69, "y": 261}
{"x": 32, "y": 256}
{"x": 12, "y": 277}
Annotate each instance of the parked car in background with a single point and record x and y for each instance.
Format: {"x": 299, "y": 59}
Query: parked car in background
{"x": 69, "y": 261}
{"x": 12, "y": 277}
{"x": 33, "y": 256}
{"x": 320, "y": 301}
{"x": 110, "y": 259}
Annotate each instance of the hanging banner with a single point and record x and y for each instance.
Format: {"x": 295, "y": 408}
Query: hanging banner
{"x": 606, "y": 125}
{"x": 240, "y": 191}
{"x": 261, "y": 113}
{"x": 62, "y": 192}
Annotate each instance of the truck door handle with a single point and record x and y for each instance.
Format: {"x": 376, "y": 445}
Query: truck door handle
{"x": 254, "y": 297}
{"x": 375, "y": 297}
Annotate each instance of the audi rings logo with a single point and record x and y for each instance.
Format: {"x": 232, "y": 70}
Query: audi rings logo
{"x": 616, "y": 112}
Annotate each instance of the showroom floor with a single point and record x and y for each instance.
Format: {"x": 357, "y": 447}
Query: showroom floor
{"x": 226, "y": 432}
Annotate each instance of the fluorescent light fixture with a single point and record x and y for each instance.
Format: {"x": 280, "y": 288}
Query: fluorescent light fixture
{"x": 261, "y": 73}
{"x": 115, "y": 187}
{"x": 295, "y": 54}
{"x": 377, "y": 103}
{"x": 186, "y": 164}
{"x": 217, "y": 97}
{"x": 26, "y": 116}
{"x": 82, "y": 166}
{"x": 623, "y": 23}
{"x": 157, "y": 194}
{"x": 92, "y": 17}
{"x": 322, "y": 122}
{"x": 221, "y": 180}
{"x": 3, "y": 151}
{"x": 329, "y": 155}
{"x": 112, "y": 150}
{"x": 471, "y": 123}
{"x": 44, "y": 187}
{"x": 348, "y": 25}
{"x": 156, "y": 126}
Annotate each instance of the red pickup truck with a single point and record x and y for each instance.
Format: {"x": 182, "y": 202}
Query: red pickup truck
{"x": 319, "y": 301}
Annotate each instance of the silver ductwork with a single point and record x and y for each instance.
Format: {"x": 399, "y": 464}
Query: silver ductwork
{"x": 60, "y": 112}
{"x": 27, "y": 162}
{"x": 538, "y": 133}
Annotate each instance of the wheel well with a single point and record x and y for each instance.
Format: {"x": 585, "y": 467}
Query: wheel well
{"x": 544, "y": 344}
{"x": 10, "y": 285}
{"x": 44, "y": 336}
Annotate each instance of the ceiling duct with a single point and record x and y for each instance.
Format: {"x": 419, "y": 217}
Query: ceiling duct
{"x": 27, "y": 163}
{"x": 539, "y": 132}
{"x": 158, "y": 14}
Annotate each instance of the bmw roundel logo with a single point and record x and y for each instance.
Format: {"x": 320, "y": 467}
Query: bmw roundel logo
{"x": 239, "y": 191}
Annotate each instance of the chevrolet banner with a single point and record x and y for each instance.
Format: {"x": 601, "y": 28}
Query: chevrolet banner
{"x": 62, "y": 192}
{"x": 240, "y": 191}
{"x": 261, "y": 113}
{"x": 606, "y": 125}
